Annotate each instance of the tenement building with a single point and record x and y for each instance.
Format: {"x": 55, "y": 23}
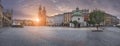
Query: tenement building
{"x": 5, "y": 16}
{"x": 1, "y": 14}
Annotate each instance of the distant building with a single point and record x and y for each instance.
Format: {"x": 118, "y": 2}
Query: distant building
{"x": 110, "y": 20}
{"x": 28, "y": 23}
{"x": 78, "y": 18}
{"x": 50, "y": 21}
{"x": 25, "y": 22}
{"x": 115, "y": 20}
{"x": 67, "y": 18}
{"x": 58, "y": 19}
{"x": 5, "y": 16}
{"x": 42, "y": 16}
{"x": 85, "y": 13}
{"x": 1, "y": 14}
{"x": 119, "y": 20}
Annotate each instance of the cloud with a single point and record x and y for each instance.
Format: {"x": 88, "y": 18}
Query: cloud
{"x": 30, "y": 7}
{"x": 54, "y": 1}
{"x": 63, "y": 8}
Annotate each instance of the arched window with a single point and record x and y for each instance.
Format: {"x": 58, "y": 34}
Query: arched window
{"x": 78, "y": 18}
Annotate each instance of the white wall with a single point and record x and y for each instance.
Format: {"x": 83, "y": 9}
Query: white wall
{"x": 50, "y": 21}
{"x": 58, "y": 19}
{"x": 75, "y": 18}
{"x": 55, "y": 20}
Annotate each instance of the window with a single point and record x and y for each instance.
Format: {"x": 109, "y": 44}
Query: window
{"x": 78, "y": 18}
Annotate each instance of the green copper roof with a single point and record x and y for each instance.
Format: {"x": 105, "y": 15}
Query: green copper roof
{"x": 77, "y": 13}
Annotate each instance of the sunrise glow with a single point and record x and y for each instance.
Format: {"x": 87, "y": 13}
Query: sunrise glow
{"x": 37, "y": 20}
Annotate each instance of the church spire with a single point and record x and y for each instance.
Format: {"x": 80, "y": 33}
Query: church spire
{"x": 42, "y": 15}
{"x": 40, "y": 11}
{"x": 44, "y": 10}
{"x": 40, "y": 7}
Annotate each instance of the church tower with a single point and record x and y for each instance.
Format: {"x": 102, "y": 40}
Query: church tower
{"x": 40, "y": 11}
{"x": 42, "y": 15}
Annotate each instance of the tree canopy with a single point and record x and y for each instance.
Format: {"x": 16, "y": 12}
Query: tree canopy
{"x": 96, "y": 17}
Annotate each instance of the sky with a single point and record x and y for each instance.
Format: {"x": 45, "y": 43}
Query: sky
{"x": 28, "y": 9}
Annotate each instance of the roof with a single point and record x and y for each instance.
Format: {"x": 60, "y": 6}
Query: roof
{"x": 77, "y": 14}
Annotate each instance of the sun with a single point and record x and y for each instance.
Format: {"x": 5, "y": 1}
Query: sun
{"x": 37, "y": 20}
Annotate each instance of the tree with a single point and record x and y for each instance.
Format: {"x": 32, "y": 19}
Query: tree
{"x": 75, "y": 23}
{"x": 96, "y": 17}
